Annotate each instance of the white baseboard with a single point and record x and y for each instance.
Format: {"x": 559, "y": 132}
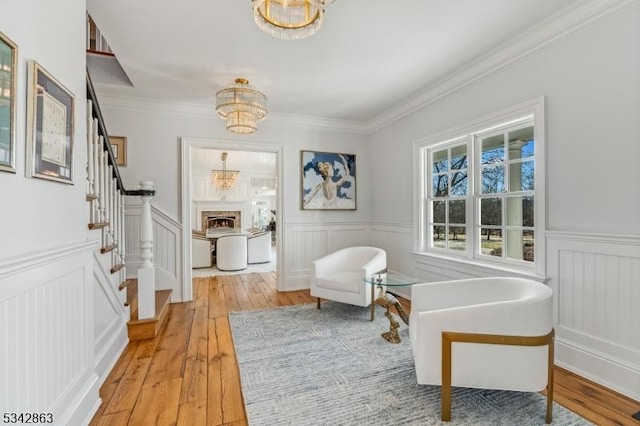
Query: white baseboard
{"x": 600, "y": 369}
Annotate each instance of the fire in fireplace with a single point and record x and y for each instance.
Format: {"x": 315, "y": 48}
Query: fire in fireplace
{"x": 220, "y": 221}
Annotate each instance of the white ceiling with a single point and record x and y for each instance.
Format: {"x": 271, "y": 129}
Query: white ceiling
{"x": 368, "y": 56}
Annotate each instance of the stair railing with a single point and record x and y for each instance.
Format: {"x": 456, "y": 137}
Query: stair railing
{"x": 105, "y": 193}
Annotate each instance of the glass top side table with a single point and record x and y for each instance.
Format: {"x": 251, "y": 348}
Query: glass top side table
{"x": 389, "y": 279}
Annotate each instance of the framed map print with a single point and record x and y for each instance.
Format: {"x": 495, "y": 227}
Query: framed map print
{"x": 50, "y": 127}
{"x": 328, "y": 181}
{"x": 8, "y": 87}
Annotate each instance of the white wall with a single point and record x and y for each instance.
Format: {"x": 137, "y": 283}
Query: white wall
{"x": 31, "y": 217}
{"x": 154, "y": 129}
{"x": 153, "y": 132}
{"x": 47, "y": 359}
{"x": 591, "y": 81}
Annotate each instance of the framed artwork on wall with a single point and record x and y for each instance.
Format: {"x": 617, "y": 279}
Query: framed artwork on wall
{"x": 8, "y": 89}
{"x": 119, "y": 149}
{"x": 328, "y": 181}
{"x": 49, "y": 127}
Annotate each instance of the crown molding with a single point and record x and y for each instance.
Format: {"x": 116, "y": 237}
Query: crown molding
{"x": 561, "y": 24}
{"x": 134, "y": 104}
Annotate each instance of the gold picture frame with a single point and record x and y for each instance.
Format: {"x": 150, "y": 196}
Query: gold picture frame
{"x": 50, "y": 118}
{"x": 8, "y": 90}
{"x": 119, "y": 149}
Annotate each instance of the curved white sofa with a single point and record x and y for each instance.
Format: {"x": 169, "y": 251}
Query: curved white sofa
{"x": 473, "y": 310}
{"x": 340, "y": 275}
{"x": 231, "y": 252}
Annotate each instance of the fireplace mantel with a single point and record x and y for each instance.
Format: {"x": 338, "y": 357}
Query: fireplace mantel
{"x": 244, "y": 207}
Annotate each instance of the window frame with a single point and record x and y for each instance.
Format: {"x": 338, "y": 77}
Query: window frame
{"x": 531, "y": 112}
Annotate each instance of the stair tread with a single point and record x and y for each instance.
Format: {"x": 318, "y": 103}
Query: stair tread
{"x": 162, "y": 303}
{"x": 107, "y": 249}
{"x": 129, "y": 282}
{"x": 117, "y": 267}
{"x": 98, "y": 225}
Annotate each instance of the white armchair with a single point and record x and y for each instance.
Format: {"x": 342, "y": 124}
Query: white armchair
{"x": 200, "y": 251}
{"x": 340, "y": 275}
{"x": 506, "y": 325}
{"x": 259, "y": 248}
{"x": 231, "y": 252}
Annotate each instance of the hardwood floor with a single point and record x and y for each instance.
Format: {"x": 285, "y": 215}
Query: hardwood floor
{"x": 188, "y": 374}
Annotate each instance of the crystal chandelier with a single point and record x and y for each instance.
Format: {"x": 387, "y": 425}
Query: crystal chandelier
{"x": 289, "y": 19}
{"x": 242, "y": 106}
{"x": 224, "y": 178}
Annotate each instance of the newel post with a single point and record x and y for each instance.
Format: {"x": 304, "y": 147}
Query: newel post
{"x": 146, "y": 272}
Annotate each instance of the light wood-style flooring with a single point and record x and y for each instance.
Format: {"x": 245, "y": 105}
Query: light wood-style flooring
{"x": 188, "y": 375}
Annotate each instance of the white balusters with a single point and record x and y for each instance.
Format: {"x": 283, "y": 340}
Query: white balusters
{"x": 90, "y": 151}
{"x": 106, "y": 197}
{"x": 146, "y": 272}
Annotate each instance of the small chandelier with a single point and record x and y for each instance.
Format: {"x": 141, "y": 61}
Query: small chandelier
{"x": 224, "y": 178}
{"x": 241, "y": 106}
{"x": 289, "y": 19}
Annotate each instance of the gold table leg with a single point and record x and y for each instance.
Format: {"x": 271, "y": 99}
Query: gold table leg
{"x": 373, "y": 303}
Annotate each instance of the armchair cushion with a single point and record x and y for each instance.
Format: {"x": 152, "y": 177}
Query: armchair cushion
{"x": 348, "y": 281}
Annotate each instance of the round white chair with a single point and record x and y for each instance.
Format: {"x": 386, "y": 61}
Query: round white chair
{"x": 231, "y": 252}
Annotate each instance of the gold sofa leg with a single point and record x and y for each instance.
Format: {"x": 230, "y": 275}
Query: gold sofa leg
{"x": 494, "y": 339}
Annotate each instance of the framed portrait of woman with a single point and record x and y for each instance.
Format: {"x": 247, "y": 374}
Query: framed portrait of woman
{"x": 328, "y": 181}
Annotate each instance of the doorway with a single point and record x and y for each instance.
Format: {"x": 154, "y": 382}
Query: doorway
{"x": 197, "y": 186}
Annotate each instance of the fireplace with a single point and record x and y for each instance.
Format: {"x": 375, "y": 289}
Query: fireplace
{"x": 220, "y": 221}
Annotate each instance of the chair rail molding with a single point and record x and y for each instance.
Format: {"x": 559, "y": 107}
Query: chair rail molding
{"x": 596, "y": 283}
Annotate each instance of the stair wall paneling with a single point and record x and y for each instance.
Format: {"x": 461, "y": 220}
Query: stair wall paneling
{"x": 47, "y": 333}
{"x": 110, "y": 316}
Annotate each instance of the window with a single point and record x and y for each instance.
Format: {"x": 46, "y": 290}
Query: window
{"x": 482, "y": 191}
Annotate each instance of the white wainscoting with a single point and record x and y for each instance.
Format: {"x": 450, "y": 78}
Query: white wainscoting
{"x": 47, "y": 334}
{"x": 596, "y": 282}
{"x": 304, "y": 243}
{"x": 397, "y": 240}
{"x": 167, "y": 248}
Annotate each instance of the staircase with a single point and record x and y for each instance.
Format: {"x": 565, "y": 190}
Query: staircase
{"x": 147, "y": 306}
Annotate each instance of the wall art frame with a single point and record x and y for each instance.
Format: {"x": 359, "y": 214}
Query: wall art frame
{"x": 50, "y": 127}
{"x": 327, "y": 181}
{"x": 8, "y": 90}
{"x": 119, "y": 149}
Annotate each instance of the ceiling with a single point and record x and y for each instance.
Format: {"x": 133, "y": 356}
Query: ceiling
{"x": 367, "y": 58}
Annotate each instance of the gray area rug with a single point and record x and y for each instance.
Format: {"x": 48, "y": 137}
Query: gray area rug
{"x": 303, "y": 366}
